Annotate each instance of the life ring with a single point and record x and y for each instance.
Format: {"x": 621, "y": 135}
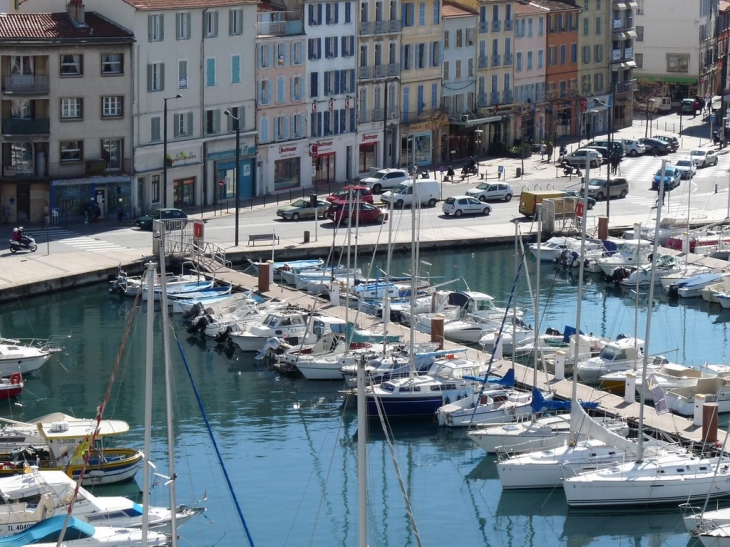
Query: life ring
{"x": 16, "y": 378}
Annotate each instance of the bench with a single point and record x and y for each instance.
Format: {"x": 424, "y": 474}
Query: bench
{"x": 253, "y": 238}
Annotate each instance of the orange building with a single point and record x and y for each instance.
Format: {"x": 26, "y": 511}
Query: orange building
{"x": 561, "y": 67}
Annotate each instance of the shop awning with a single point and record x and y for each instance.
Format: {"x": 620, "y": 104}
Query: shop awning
{"x": 621, "y": 6}
{"x": 622, "y": 66}
{"x": 472, "y": 121}
{"x": 632, "y": 4}
{"x": 90, "y": 180}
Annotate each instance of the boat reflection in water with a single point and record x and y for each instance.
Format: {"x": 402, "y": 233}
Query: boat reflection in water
{"x": 643, "y": 527}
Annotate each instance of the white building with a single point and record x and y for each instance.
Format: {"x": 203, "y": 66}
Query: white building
{"x": 530, "y": 71}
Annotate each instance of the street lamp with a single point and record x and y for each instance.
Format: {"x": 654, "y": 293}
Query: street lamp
{"x": 598, "y": 102}
{"x": 164, "y": 148}
{"x": 236, "y": 170}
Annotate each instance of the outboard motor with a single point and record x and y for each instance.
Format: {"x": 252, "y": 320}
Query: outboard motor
{"x": 193, "y": 312}
{"x": 618, "y": 274}
{"x": 199, "y": 325}
{"x": 222, "y": 336}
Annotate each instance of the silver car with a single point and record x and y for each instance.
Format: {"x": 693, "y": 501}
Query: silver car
{"x": 487, "y": 191}
{"x": 633, "y": 148}
{"x": 703, "y": 158}
{"x": 465, "y": 205}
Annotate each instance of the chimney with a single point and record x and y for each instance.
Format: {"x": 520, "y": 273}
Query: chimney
{"x": 76, "y": 11}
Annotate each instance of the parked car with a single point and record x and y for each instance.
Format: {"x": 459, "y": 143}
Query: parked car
{"x": 703, "y": 158}
{"x": 687, "y": 106}
{"x": 362, "y": 213}
{"x": 384, "y": 178}
{"x": 487, "y": 191}
{"x": 145, "y": 222}
{"x": 365, "y": 193}
{"x": 465, "y": 205}
{"x": 633, "y": 148}
{"x": 600, "y": 188}
{"x": 671, "y": 178}
{"x": 574, "y": 194}
{"x": 615, "y": 145}
{"x": 578, "y": 157}
{"x": 673, "y": 142}
{"x": 654, "y": 146}
{"x": 686, "y": 168}
{"x": 601, "y": 150}
{"x": 428, "y": 192}
{"x": 302, "y": 208}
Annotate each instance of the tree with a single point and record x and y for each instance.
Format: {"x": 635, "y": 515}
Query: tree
{"x": 643, "y": 100}
{"x": 435, "y": 119}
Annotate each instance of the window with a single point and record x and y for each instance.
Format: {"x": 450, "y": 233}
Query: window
{"x": 435, "y": 54}
{"x": 598, "y": 25}
{"x": 313, "y": 84}
{"x": 540, "y": 26}
{"x": 72, "y": 65}
{"x": 235, "y": 22}
{"x": 420, "y": 56}
{"x": 236, "y": 112}
{"x": 348, "y": 12}
{"x": 281, "y": 128}
{"x": 446, "y": 71}
{"x": 332, "y": 13}
{"x": 573, "y": 52}
{"x": 71, "y": 151}
{"x": 112, "y": 107}
{"x": 211, "y": 24}
{"x": 470, "y": 36}
{"x": 586, "y": 55}
{"x": 71, "y": 109}
{"x": 264, "y": 91}
{"x": 297, "y": 126}
{"x": 212, "y": 121}
{"x": 529, "y": 60}
{"x": 297, "y": 84}
{"x": 280, "y": 52}
{"x": 182, "y": 26}
{"x": 111, "y": 63}
{"x": 422, "y": 14}
{"x": 446, "y": 39}
{"x": 111, "y": 151}
{"x": 235, "y": 69}
{"x": 155, "y": 129}
{"x": 156, "y": 77}
{"x": 330, "y": 47}
{"x": 598, "y": 82}
{"x": 639, "y": 58}
{"x": 459, "y": 37}
{"x": 408, "y": 14}
{"x": 348, "y": 46}
{"x": 677, "y": 62}
{"x": 182, "y": 74}
{"x": 457, "y": 66}
{"x": 470, "y": 67}
{"x": 296, "y": 53}
{"x": 598, "y": 53}
{"x": 280, "y": 89}
{"x": 264, "y": 56}
{"x": 639, "y": 33}
{"x": 315, "y": 48}
{"x": 210, "y": 72}
{"x": 436, "y": 12}
{"x": 315, "y": 15}
{"x": 529, "y": 27}
{"x": 183, "y": 124}
{"x": 155, "y": 28}
{"x": 586, "y": 25}
{"x": 540, "y": 56}
{"x": 640, "y": 7}
{"x": 518, "y": 67}
{"x": 155, "y": 188}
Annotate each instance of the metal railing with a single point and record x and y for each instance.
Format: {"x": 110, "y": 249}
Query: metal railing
{"x": 508, "y": 59}
{"x": 393, "y": 69}
{"x": 365, "y": 72}
{"x": 366, "y": 28}
{"x": 494, "y": 97}
{"x": 508, "y": 25}
{"x": 26, "y": 127}
{"x": 496, "y": 60}
{"x": 26, "y": 83}
{"x": 280, "y": 28}
{"x": 483, "y": 27}
{"x": 496, "y": 26}
{"x": 483, "y": 61}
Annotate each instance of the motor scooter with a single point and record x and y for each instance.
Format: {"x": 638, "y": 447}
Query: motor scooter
{"x": 26, "y": 243}
{"x": 470, "y": 170}
{"x": 570, "y": 169}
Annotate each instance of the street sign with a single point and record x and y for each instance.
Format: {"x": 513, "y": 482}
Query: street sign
{"x": 313, "y": 149}
{"x": 583, "y": 104}
{"x": 712, "y": 119}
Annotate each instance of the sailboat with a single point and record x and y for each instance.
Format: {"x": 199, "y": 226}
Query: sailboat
{"x": 674, "y": 477}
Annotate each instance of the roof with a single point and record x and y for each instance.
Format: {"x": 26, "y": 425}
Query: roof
{"x": 155, "y": 5}
{"x": 451, "y": 9}
{"x": 526, "y": 8}
{"x": 46, "y": 26}
{"x": 554, "y": 5}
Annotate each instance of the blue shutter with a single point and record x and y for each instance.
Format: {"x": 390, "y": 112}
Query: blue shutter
{"x": 404, "y": 13}
{"x": 352, "y": 120}
{"x": 420, "y": 105}
{"x": 319, "y": 14}
{"x": 236, "y": 69}
{"x": 327, "y": 12}
{"x": 327, "y": 127}
{"x": 343, "y": 82}
{"x": 406, "y": 98}
{"x": 336, "y": 122}
{"x": 352, "y": 81}
{"x": 210, "y": 72}
{"x": 327, "y": 84}
{"x": 344, "y": 45}
{"x": 337, "y": 83}
{"x": 412, "y": 15}
{"x": 348, "y": 12}
{"x": 327, "y": 48}
{"x": 434, "y": 96}
{"x": 313, "y": 92}
{"x": 310, "y": 48}
{"x": 334, "y": 47}
{"x": 337, "y": 12}
{"x": 403, "y": 57}
{"x": 311, "y": 15}
{"x": 436, "y": 12}
{"x": 352, "y": 45}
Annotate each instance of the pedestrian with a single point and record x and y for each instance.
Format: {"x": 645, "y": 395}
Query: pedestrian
{"x": 695, "y": 106}
{"x": 450, "y": 173}
{"x": 120, "y": 214}
{"x": 97, "y": 212}
{"x": 543, "y": 151}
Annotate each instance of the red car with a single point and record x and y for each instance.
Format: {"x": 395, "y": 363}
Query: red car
{"x": 366, "y": 195}
{"x": 339, "y": 212}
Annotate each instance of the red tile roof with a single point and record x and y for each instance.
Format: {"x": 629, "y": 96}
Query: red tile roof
{"x": 555, "y": 5}
{"x": 451, "y": 9}
{"x": 156, "y": 5}
{"x": 40, "y": 26}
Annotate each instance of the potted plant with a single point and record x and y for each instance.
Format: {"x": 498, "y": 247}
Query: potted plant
{"x": 169, "y": 161}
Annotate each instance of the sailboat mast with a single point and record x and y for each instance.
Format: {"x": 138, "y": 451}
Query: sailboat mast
{"x": 642, "y": 397}
{"x": 168, "y": 390}
{"x": 149, "y": 360}
{"x": 362, "y": 427}
{"x": 414, "y": 272}
{"x": 537, "y": 297}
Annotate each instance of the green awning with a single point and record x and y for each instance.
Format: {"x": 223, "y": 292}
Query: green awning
{"x": 670, "y": 79}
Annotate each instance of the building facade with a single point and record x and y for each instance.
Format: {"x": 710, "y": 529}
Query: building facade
{"x": 530, "y": 44}
{"x": 66, "y": 115}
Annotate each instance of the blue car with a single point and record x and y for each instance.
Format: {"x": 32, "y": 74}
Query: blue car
{"x": 671, "y": 178}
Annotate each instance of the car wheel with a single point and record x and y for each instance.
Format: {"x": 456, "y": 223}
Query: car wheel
{"x": 377, "y": 188}
{"x": 590, "y": 205}
{"x": 623, "y": 193}
{"x": 458, "y": 213}
{"x": 633, "y": 153}
{"x": 432, "y": 202}
{"x": 486, "y": 211}
{"x": 599, "y": 196}
{"x": 399, "y": 204}
{"x": 508, "y": 197}
{"x": 295, "y": 216}
{"x": 594, "y": 165}
{"x": 446, "y": 214}
{"x": 380, "y": 219}
{"x": 483, "y": 199}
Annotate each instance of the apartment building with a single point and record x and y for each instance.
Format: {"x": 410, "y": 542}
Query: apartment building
{"x": 378, "y": 74}
{"x": 66, "y": 114}
{"x": 281, "y": 99}
{"x": 331, "y": 29}
{"x": 676, "y": 46}
{"x": 422, "y": 122}
{"x": 530, "y": 42}
{"x": 594, "y": 39}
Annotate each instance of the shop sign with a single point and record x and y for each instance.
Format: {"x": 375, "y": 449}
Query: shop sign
{"x": 325, "y": 146}
{"x": 288, "y": 151}
{"x": 370, "y": 137}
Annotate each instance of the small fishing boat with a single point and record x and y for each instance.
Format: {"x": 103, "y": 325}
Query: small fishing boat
{"x": 26, "y": 355}
{"x": 693, "y": 286}
{"x": 623, "y": 354}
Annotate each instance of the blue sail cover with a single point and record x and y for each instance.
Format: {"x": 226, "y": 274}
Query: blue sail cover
{"x": 508, "y": 380}
{"x": 539, "y": 403}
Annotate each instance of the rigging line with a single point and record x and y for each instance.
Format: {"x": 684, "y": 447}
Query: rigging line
{"x": 215, "y": 444}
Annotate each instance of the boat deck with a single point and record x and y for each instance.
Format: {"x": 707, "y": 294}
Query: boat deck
{"x": 613, "y": 405}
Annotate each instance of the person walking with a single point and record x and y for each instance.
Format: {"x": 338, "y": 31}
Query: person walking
{"x": 543, "y": 151}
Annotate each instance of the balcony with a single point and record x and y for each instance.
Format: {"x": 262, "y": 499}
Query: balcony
{"x": 507, "y": 97}
{"x": 483, "y": 61}
{"x": 494, "y": 97}
{"x": 627, "y": 55}
{"x": 394, "y": 69}
{"x": 483, "y": 27}
{"x": 482, "y": 99}
{"x": 365, "y": 72}
{"x": 381, "y": 71}
{"x": 496, "y": 26}
{"x": 26, "y": 127}
{"x": 496, "y": 60}
{"x": 280, "y": 28}
{"x": 629, "y": 86}
{"x": 508, "y": 25}
{"x": 507, "y": 59}
{"x": 26, "y": 84}
{"x": 364, "y": 116}
{"x": 381, "y": 27}
{"x": 366, "y": 28}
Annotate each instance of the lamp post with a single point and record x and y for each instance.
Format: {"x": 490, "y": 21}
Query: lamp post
{"x": 164, "y": 148}
{"x": 611, "y": 153}
{"x": 236, "y": 170}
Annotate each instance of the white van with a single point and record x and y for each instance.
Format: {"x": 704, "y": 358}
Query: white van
{"x": 427, "y": 191}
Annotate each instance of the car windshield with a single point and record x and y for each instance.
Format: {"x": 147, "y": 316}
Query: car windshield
{"x": 685, "y": 163}
{"x": 450, "y": 201}
{"x": 298, "y": 203}
{"x": 698, "y": 153}
{"x": 400, "y": 189}
{"x": 483, "y": 186}
{"x": 597, "y": 182}
{"x": 667, "y": 171}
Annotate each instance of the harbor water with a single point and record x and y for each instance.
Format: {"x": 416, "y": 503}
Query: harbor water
{"x": 289, "y": 446}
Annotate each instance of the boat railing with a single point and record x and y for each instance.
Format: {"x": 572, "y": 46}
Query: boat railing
{"x": 52, "y": 344}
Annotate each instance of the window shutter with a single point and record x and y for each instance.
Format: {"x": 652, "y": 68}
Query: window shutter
{"x": 188, "y": 27}
{"x": 150, "y": 26}
{"x": 344, "y": 46}
{"x": 352, "y": 46}
{"x": 343, "y": 81}
{"x": 217, "y": 121}
{"x": 327, "y": 47}
{"x": 176, "y": 124}
{"x": 404, "y": 14}
{"x": 319, "y": 14}
{"x": 162, "y": 77}
{"x": 352, "y": 120}
{"x": 236, "y": 69}
{"x": 337, "y": 83}
{"x": 310, "y": 18}
{"x": 230, "y": 22}
{"x": 285, "y": 129}
{"x": 337, "y": 12}
{"x": 149, "y": 79}
{"x": 310, "y": 48}
{"x": 403, "y": 57}
{"x": 215, "y": 23}
{"x": 328, "y": 12}
{"x": 352, "y": 80}
{"x": 313, "y": 91}
{"x": 327, "y": 84}
{"x": 334, "y": 45}
{"x": 268, "y": 94}
{"x": 162, "y": 27}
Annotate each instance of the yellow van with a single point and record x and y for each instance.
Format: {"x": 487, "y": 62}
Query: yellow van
{"x": 530, "y": 198}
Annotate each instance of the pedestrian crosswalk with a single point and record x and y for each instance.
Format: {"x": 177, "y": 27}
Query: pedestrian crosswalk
{"x": 90, "y": 244}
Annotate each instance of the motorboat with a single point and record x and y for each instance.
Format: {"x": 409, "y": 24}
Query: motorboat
{"x": 281, "y": 270}
{"x": 660, "y": 372}
{"x": 522, "y": 334}
{"x": 629, "y": 254}
{"x": 26, "y": 355}
{"x": 580, "y": 348}
{"x": 455, "y": 305}
{"x": 289, "y": 323}
{"x": 641, "y": 276}
{"x": 11, "y": 387}
{"x": 552, "y": 249}
{"x": 671, "y": 281}
{"x": 54, "y": 490}
{"x": 723, "y": 298}
{"x": 716, "y": 390}
{"x": 184, "y": 302}
{"x": 692, "y": 287}
{"x": 215, "y": 325}
{"x": 622, "y": 354}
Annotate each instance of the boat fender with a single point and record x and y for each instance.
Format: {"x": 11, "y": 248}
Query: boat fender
{"x": 16, "y": 378}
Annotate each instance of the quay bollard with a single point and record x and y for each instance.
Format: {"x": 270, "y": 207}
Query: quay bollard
{"x": 630, "y": 388}
{"x": 265, "y": 272}
{"x": 560, "y": 365}
{"x": 709, "y": 422}
{"x": 306, "y": 236}
{"x": 699, "y": 403}
{"x": 335, "y": 294}
{"x": 603, "y": 228}
{"x": 437, "y": 330}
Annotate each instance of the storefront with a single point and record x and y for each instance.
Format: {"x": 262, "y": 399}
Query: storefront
{"x": 287, "y": 167}
{"x": 224, "y": 173}
{"x": 183, "y": 191}
{"x": 71, "y": 198}
{"x": 369, "y": 151}
{"x": 417, "y": 148}
{"x": 324, "y": 163}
